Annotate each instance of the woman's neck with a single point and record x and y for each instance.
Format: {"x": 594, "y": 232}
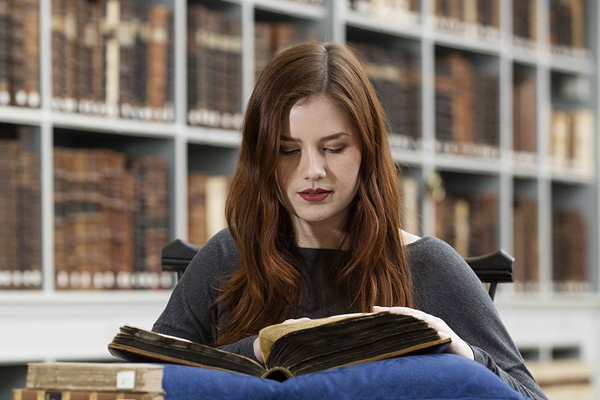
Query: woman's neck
{"x": 316, "y": 236}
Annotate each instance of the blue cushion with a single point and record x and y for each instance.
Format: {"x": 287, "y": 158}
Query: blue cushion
{"x": 438, "y": 376}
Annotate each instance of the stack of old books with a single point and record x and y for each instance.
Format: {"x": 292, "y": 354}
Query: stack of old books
{"x": 92, "y": 381}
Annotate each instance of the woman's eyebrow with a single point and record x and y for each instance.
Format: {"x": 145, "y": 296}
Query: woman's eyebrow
{"x": 326, "y": 138}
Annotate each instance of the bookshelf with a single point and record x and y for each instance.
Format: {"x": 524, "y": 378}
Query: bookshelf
{"x": 82, "y": 322}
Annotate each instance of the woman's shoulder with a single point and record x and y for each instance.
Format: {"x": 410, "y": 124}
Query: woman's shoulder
{"x": 218, "y": 256}
{"x": 433, "y": 254}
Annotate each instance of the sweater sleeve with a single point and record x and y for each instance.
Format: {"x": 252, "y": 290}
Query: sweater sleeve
{"x": 446, "y": 287}
{"x": 187, "y": 312}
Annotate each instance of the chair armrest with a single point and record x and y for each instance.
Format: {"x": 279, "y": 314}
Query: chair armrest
{"x": 177, "y": 255}
{"x": 493, "y": 267}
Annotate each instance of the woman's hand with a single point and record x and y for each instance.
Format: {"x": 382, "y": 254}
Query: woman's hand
{"x": 457, "y": 346}
{"x": 258, "y": 352}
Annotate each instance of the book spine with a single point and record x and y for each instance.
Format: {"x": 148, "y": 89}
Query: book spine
{"x": 112, "y": 56}
{"x": 158, "y": 42}
{"x": 31, "y": 50}
{"x": 140, "y": 60}
{"x": 8, "y": 211}
{"x": 197, "y": 230}
{"x": 126, "y": 33}
{"x": 98, "y": 50}
{"x": 85, "y": 45}
{"x": 70, "y": 53}
{"x": 5, "y": 98}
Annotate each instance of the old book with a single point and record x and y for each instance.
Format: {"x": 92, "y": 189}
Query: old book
{"x": 32, "y": 394}
{"x": 293, "y": 349}
{"x": 583, "y": 141}
{"x": 120, "y": 377}
{"x": 217, "y": 189}
{"x": 410, "y": 198}
{"x": 158, "y": 57}
{"x": 559, "y": 139}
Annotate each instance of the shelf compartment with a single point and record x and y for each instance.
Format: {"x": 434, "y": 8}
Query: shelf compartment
{"x": 112, "y": 207}
{"x": 20, "y": 208}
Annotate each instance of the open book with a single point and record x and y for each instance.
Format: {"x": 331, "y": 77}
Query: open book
{"x": 293, "y": 349}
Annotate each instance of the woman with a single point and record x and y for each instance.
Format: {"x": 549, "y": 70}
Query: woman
{"x": 314, "y": 227}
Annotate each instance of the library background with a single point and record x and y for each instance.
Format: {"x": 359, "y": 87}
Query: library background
{"x": 119, "y": 131}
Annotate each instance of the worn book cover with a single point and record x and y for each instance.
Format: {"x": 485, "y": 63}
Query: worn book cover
{"x": 293, "y": 349}
{"x": 33, "y": 394}
{"x": 120, "y": 377}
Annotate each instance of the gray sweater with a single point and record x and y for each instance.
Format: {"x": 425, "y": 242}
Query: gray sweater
{"x": 444, "y": 286}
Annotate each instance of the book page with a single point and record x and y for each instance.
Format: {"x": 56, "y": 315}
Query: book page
{"x": 270, "y": 334}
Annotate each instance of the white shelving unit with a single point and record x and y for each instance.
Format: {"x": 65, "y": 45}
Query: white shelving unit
{"x": 50, "y": 325}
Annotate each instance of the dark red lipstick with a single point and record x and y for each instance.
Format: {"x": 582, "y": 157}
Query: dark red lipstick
{"x": 314, "y": 195}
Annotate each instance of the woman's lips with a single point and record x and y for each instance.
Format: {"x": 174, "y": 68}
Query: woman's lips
{"x": 316, "y": 196}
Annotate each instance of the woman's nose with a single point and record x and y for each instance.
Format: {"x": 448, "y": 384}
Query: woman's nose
{"x": 313, "y": 167}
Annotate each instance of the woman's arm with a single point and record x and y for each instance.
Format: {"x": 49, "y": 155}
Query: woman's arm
{"x": 186, "y": 314}
{"x": 447, "y": 289}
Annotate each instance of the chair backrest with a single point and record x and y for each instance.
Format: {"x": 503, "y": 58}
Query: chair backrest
{"x": 491, "y": 268}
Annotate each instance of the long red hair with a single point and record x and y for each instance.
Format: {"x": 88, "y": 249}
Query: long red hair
{"x": 268, "y": 282}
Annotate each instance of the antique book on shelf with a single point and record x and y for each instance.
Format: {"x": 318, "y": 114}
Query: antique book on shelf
{"x": 20, "y": 209}
{"x": 111, "y": 219}
{"x": 582, "y": 156}
{"x": 112, "y": 57}
{"x": 525, "y": 248}
{"x": 115, "y": 377}
{"x": 293, "y": 349}
{"x": 47, "y": 394}
{"x": 572, "y": 135}
{"x": 525, "y": 19}
{"x": 569, "y": 251}
{"x": 396, "y": 77}
{"x": 468, "y": 223}
{"x": 466, "y": 107}
{"x": 524, "y": 114}
{"x": 217, "y": 188}
{"x": 272, "y": 38}
{"x": 409, "y": 188}
{"x": 568, "y": 27}
{"x": 560, "y": 139}
{"x": 214, "y": 68}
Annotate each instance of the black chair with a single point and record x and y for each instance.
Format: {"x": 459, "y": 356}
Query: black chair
{"x": 491, "y": 268}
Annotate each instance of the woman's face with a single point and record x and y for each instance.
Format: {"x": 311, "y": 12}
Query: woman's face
{"x": 318, "y": 165}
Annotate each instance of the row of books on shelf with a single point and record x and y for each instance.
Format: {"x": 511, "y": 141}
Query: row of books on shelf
{"x": 469, "y": 224}
{"x": 214, "y": 68}
{"x": 20, "y": 210}
{"x": 476, "y": 18}
{"x": 481, "y": 19}
{"x": 111, "y": 219}
{"x": 396, "y": 77}
{"x": 113, "y": 58}
{"x": 19, "y": 53}
{"x": 466, "y": 107}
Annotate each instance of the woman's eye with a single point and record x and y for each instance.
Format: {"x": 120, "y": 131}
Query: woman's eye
{"x": 288, "y": 152}
{"x": 337, "y": 150}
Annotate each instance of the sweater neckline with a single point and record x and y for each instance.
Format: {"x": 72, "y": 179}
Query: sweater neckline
{"x": 316, "y": 249}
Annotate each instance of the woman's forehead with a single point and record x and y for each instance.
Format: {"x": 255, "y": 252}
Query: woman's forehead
{"x": 315, "y": 118}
